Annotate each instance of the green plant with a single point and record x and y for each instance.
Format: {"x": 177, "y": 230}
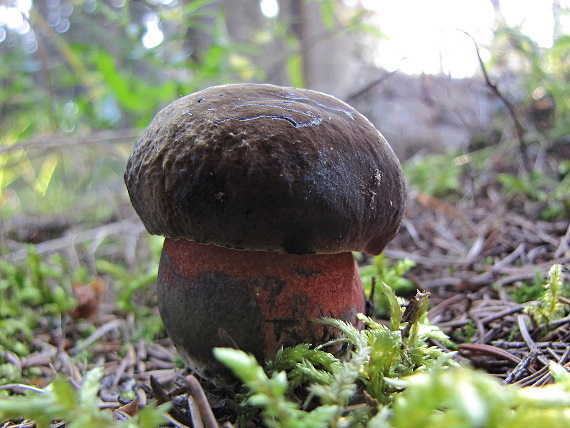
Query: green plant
{"x": 126, "y": 284}
{"x": 527, "y": 292}
{"x": 135, "y": 291}
{"x": 549, "y": 308}
{"x": 32, "y": 292}
{"x": 541, "y": 70}
{"x": 40, "y": 294}
{"x": 461, "y": 397}
{"x": 77, "y": 406}
{"x": 380, "y": 355}
{"x": 407, "y": 384}
{"x": 436, "y": 175}
{"x": 390, "y": 273}
{"x": 537, "y": 186}
{"x": 303, "y": 364}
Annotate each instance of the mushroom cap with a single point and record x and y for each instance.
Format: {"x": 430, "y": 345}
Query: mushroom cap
{"x": 267, "y": 168}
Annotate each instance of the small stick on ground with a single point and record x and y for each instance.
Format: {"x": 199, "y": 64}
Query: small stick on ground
{"x": 201, "y": 402}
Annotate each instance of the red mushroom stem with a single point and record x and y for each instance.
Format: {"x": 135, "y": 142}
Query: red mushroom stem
{"x": 258, "y": 301}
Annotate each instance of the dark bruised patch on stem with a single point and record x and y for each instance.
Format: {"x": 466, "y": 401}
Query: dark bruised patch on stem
{"x": 193, "y": 311}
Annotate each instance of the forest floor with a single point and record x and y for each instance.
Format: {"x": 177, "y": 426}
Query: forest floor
{"x": 479, "y": 255}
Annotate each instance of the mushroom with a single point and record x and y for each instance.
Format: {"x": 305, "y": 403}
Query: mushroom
{"x": 263, "y": 193}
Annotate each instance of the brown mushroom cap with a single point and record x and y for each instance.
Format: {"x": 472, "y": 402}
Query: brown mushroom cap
{"x": 263, "y": 167}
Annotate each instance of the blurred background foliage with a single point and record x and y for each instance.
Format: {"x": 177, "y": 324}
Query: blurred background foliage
{"x": 543, "y": 73}
{"x": 80, "y": 78}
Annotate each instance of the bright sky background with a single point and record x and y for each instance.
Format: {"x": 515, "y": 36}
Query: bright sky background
{"x": 423, "y": 34}
{"x": 424, "y": 37}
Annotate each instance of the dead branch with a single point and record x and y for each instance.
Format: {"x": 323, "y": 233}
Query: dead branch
{"x": 520, "y": 129}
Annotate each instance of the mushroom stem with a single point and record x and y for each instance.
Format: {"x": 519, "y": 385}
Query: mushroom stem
{"x": 257, "y": 301}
